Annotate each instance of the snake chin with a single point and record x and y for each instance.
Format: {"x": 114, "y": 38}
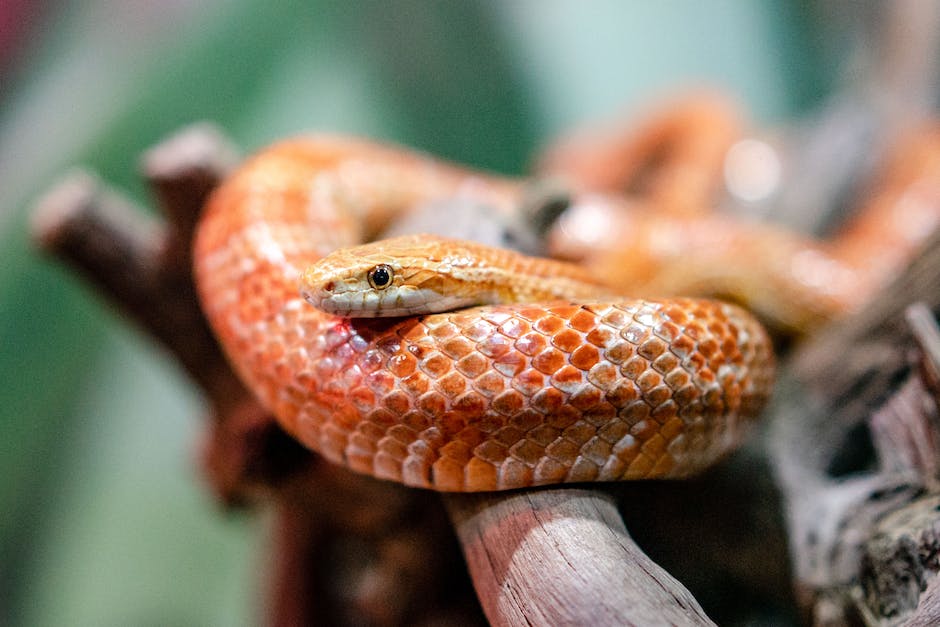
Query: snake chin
{"x": 391, "y": 303}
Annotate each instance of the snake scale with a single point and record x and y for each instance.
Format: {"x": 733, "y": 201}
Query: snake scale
{"x": 487, "y": 397}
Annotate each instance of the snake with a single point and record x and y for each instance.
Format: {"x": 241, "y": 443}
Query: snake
{"x": 465, "y": 368}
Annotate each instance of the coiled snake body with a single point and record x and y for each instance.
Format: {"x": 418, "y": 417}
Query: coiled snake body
{"x": 485, "y": 398}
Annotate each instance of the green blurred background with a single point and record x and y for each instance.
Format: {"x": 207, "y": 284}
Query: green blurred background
{"x": 104, "y": 517}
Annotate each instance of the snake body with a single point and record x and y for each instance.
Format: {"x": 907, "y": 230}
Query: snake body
{"x": 489, "y": 397}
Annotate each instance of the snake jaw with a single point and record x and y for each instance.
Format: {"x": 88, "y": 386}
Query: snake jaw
{"x": 348, "y": 293}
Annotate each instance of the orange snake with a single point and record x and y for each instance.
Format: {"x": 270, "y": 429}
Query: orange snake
{"x": 486, "y": 398}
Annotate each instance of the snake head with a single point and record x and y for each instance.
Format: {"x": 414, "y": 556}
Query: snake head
{"x": 402, "y": 276}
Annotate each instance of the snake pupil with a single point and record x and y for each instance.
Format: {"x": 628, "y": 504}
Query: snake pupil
{"x": 380, "y": 276}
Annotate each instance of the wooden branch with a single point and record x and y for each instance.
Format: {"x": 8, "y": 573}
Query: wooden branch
{"x": 563, "y": 556}
{"x": 857, "y": 436}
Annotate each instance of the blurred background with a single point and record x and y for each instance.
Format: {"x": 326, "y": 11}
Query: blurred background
{"x": 105, "y": 521}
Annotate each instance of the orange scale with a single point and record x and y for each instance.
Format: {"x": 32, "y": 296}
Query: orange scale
{"x": 549, "y": 324}
{"x": 658, "y": 395}
{"x": 489, "y": 384}
{"x": 563, "y": 418}
{"x": 528, "y": 382}
{"x": 362, "y": 398}
{"x": 580, "y": 432}
{"x": 480, "y": 475}
{"x": 600, "y": 415}
{"x": 634, "y": 368}
{"x": 508, "y": 403}
{"x": 457, "y": 450}
{"x": 433, "y": 436}
{"x": 648, "y": 380}
{"x": 471, "y": 435}
{"x": 371, "y": 361}
{"x": 514, "y": 328}
{"x": 612, "y": 470}
{"x": 473, "y": 365}
{"x": 651, "y": 348}
{"x": 402, "y": 364}
{"x": 432, "y": 403}
{"x": 543, "y": 435}
{"x": 451, "y": 385}
{"x": 568, "y": 379}
{"x": 444, "y": 331}
{"x": 360, "y": 460}
{"x": 435, "y": 365}
{"x": 639, "y": 468}
{"x": 563, "y": 450}
{"x": 531, "y": 344}
{"x": 526, "y": 419}
{"x": 621, "y": 352}
{"x": 471, "y": 403}
{"x": 495, "y": 345}
{"x": 584, "y": 357}
{"x": 478, "y": 330}
{"x": 671, "y": 429}
{"x": 510, "y": 364}
{"x": 514, "y": 474}
{"x": 654, "y": 446}
{"x": 416, "y": 384}
{"x": 412, "y": 331}
{"x": 548, "y": 400}
{"x": 415, "y": 420}
{"x": 490, "y": 422}
{"x": 600, "y": 337}
{"x": 665, "y": 411}
{"x": 635, "y": 413}
{"x": 583, "y": 470}
{"x": 396, "y": 444}
{"x": 416, "y": 471}
{"x": 664, "y": 466}
{"x": 603, "y": 375}
{"x": 587, "y": 398}
{"x": 583, "y": 320}
{"x": 496, "y": 317}
{"x": 386, "y": 466}
{"x": 380, "y": 382}
{"x": 597, "y": 450}
{"x": 457, "y": 347}
{"x": 665, "y": 363}
{"x": 451, "y": 423}
{"x": 613, "y": 431}
{"x": 675, "y": 313}
{"x": 509, "y": 435}
{"x": 567, "y": 340}
{"x": 491, "y": 451}
{"x": 397, "y": 401}
{"x": 549, "y": 470}
{"x": 527, "y": 452}
{"x": 615, "y": 318}
{"x": 549, "y": 361}
{"x": 531, "y": 314}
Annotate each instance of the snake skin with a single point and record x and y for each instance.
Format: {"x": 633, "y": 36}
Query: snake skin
{"x": 487, "y": 398}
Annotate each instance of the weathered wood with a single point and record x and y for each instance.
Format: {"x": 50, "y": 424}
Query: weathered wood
{"x": 853, "y": 365}
{"x": 856, "y": 439}
{"x": 564, "y": 557}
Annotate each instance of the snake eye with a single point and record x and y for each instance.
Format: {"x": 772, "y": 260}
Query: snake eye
{"x": 380, "y": 276}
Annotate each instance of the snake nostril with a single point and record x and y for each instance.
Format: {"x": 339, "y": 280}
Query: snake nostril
{"x": 329, "y": 285}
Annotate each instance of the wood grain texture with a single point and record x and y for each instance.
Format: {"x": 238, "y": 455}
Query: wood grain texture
{"x": 564, "y": 557}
